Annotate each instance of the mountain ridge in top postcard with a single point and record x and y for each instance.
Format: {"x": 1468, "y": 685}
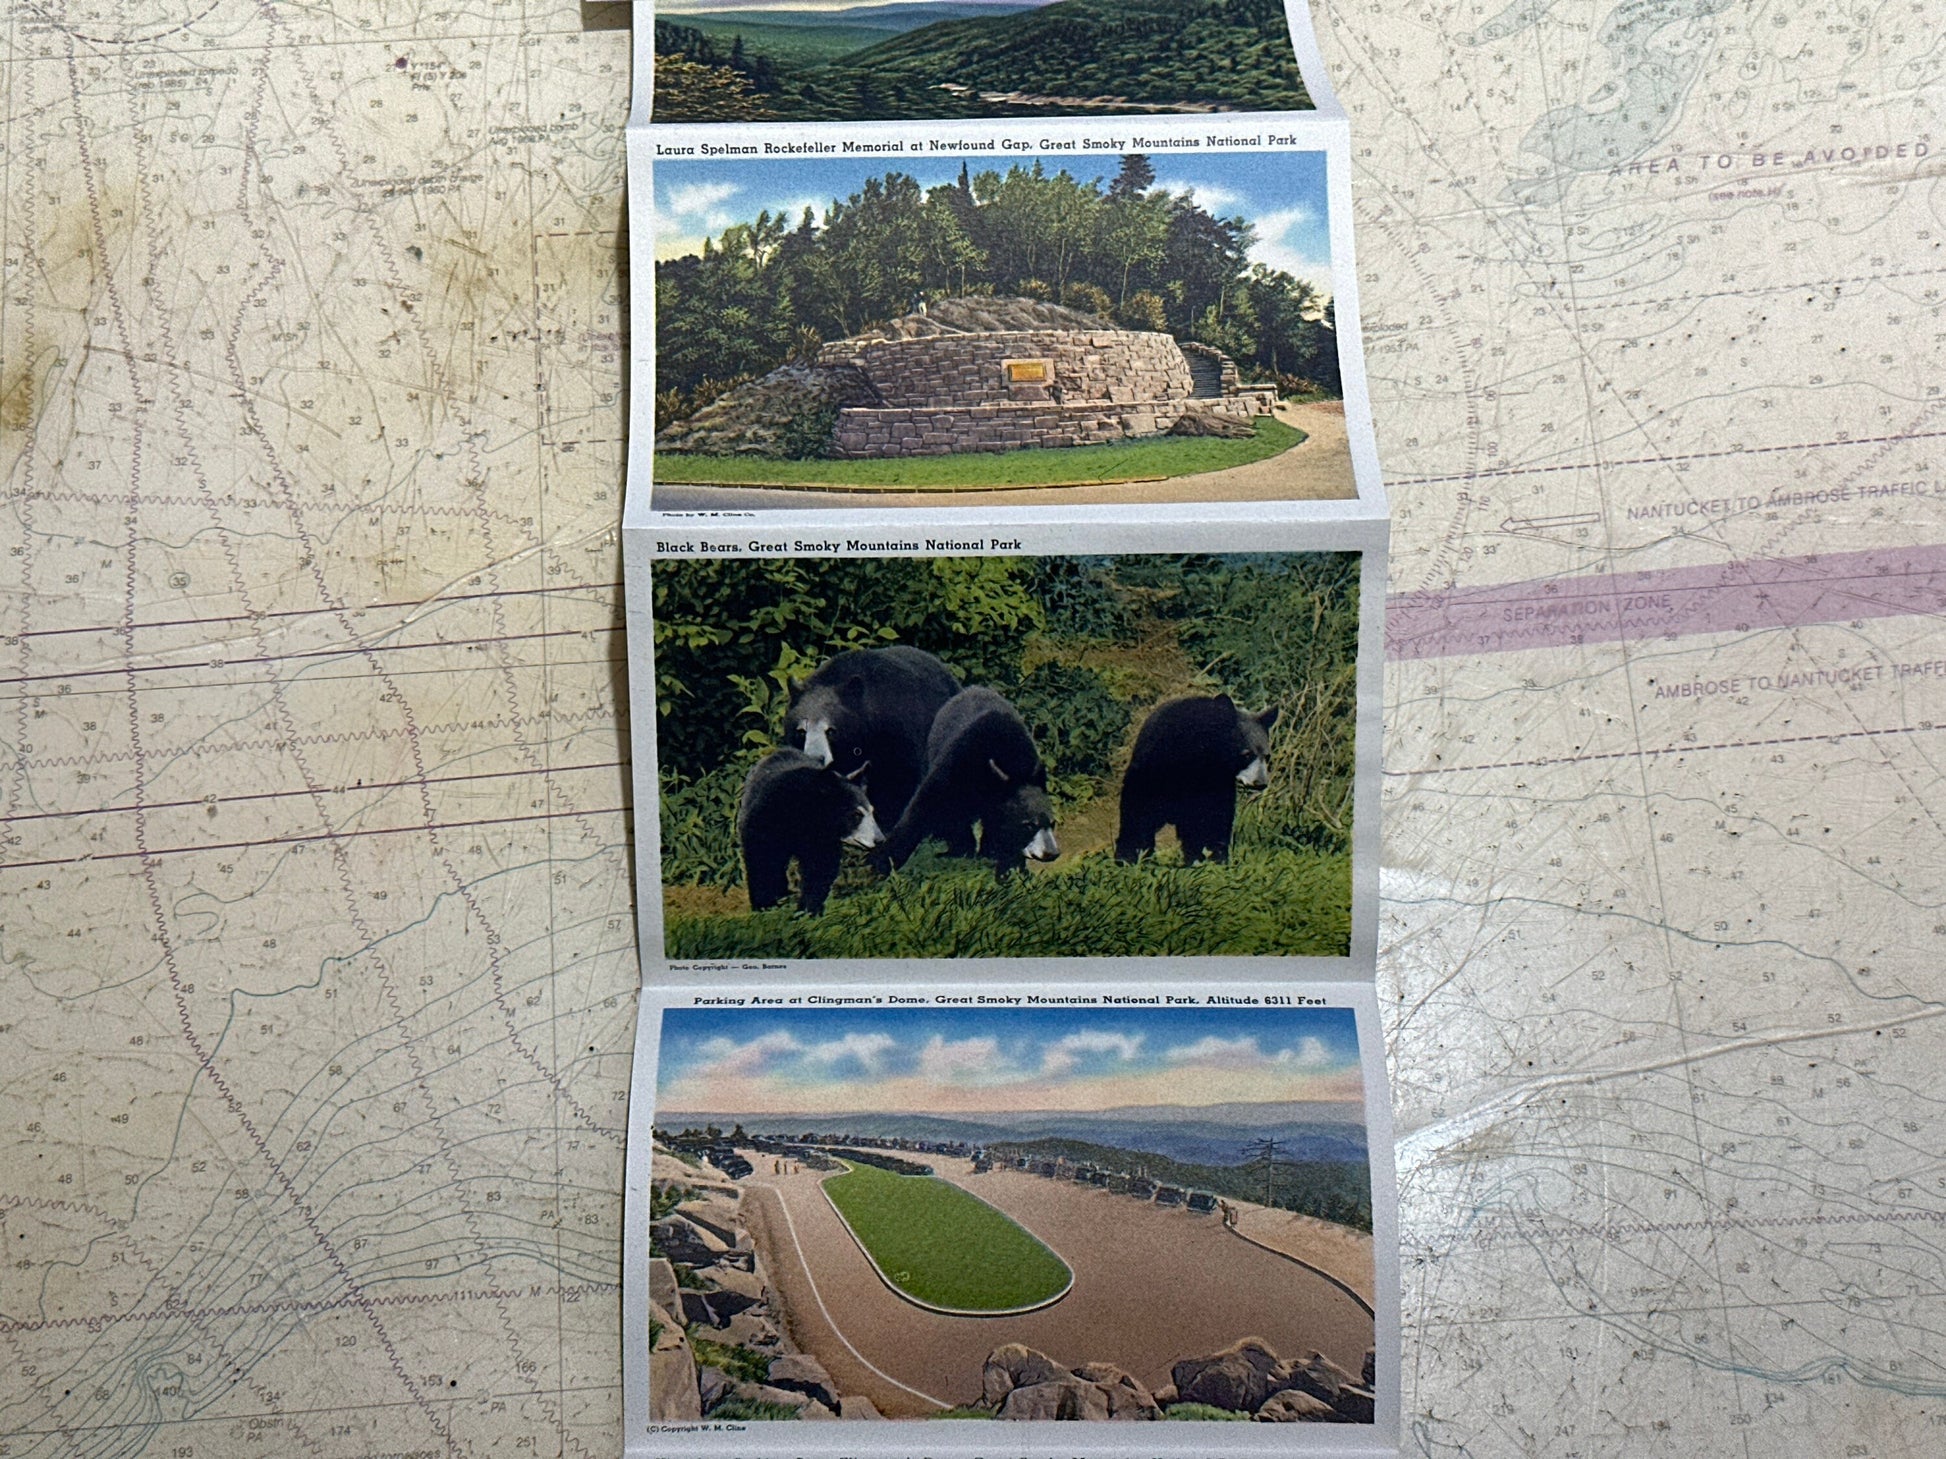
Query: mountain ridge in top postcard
{"x": 914, "y": 59}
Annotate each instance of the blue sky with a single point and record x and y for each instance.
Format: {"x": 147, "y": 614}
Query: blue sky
{"x": 1281, "y": 193}
{"x": 969, "y": 1060}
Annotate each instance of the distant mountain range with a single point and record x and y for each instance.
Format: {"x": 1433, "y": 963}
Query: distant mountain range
{"x": 1209, "y": 1135}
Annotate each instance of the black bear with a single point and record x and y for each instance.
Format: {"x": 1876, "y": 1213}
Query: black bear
{"x": 1189, "y": 758}
{"x": 981, "y": 767}
{"x": 794, "y": 809}
{"x": 871, "y": 705}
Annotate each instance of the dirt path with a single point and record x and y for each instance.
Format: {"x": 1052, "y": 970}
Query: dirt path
{"x": 1152, "y": 1285}
{"x": 1316, "y": 469}
{"x": 1343, "y": 1252}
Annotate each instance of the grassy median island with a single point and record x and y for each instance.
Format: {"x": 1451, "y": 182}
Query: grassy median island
{"x": 945, "y": 1246}
{"x": 1148, "y": 459}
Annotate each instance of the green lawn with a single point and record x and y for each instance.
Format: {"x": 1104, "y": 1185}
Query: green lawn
{"x": 1265, "y": 901}
{"x": 1145, "y": 460}
{"x": 942, "y": 1245}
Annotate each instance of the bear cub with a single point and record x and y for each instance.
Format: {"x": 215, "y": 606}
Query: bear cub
{"x": 1189, "y": 758}
{"x": 795, "y": 809}
{"x": 873, "y": 706}
{"x": 981, "y": 767}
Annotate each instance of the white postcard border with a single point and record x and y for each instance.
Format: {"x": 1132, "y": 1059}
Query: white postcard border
{"x": 1022, "y": 1440}
{"x": 1085, "y": 538}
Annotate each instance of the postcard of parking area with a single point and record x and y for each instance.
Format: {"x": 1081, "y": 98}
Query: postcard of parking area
{"x": 1000, "y": 330}
{"x": 973, "y": 58}
{"x": 1120, "y": 1212}
{"x": 997, "y": 756}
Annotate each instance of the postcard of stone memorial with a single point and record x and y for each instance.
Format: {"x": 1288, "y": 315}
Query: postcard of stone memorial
{"x": 1061, "y": 746}
{"x": 796, "y": 61}
{"x": 1151, "y": 1219}
{"x": 1148, "y": 310}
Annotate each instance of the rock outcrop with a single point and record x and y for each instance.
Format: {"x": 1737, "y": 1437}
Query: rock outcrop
{"x": 803, "y": 1374}
{"x": 1196, "y": 422}
{"x": 1294, "y": 1407}
{"x": 1061, "y": 1399}
{"x": 673, "y": 1394}
{"x": 1018, "y": 1382}
{"x": 1238, "y": 1378}
{"x": 1247, "y": 1379}
{"x": 1016, "y": 1366}
{"x": 787, "y": 414}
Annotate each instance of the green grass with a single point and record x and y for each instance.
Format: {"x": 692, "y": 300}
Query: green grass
{"x": 943, "y": 1245}
{"x": 753, "y": 1410}
{"x": 1269, "y": 901}
{"x": 1206, "y": 1411}
{"x": 738, "y": 1361}
{"x": 1155, "y": 456}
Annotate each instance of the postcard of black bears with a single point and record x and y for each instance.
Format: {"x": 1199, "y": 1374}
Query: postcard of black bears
{"x": 971, "y": 746}
{"x": 803, "y": 61}
{"x": 1000, "y": 322}
{"x": 1159, "y": 1215}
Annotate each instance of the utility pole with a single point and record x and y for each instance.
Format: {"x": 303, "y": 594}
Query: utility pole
{"x": 1266, "y": 1151}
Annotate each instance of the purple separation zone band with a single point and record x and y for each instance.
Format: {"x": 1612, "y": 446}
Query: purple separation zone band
{"x": 1736, "y": 597}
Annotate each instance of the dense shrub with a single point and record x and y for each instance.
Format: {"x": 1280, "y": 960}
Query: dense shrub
{"x": 1267, "y": 902}
{"x": 1077, "y": 724}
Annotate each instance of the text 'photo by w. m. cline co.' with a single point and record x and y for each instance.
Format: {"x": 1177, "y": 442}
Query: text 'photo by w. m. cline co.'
{"x": 1021, "y": 1205}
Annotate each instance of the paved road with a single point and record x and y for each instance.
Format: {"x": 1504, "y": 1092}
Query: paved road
{"x": 1317, "y": 469}
{"x": 1152, "y": 1285}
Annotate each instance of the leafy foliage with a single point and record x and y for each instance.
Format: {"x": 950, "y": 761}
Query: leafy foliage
{"x": 1159, "y": 54}
{"x": 665, "y": 1198}
{"x": 1331, "y": 1190}
{"x": 1084, "y": 647}
{"x": 753, "y": 1410}
{"x": 738, "y": 1361}
{"x": 752, "y": 297}
{"x": 1284, "y": 630}
{"x": 731, "y": 636}
{"x": 1077, "y": 724}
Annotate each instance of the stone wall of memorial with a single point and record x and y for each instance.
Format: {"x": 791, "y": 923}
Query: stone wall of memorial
{"x": 1110, "y": 366}
{"x": 1011, "y": 426}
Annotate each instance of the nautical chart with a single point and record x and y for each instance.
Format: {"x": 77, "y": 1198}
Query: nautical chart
{"x": 317, "y": 930}
{"x": 317, "y": 937}
{"x": 1654, "y": 355}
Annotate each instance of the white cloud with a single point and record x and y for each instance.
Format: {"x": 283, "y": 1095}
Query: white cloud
{"x": 1063, "y": 1054}
{"x": 960, "y": 1062}
{"x": 1214, "y": 197}
{"x": 1310, "y": 1053}
{"x": 1212, "y": 1050}
{"x": 726, "y": 1056}
{"x": 1274, "y": 248}
{"x": 869, "y": 1049}
{"x": 697, "y": 198}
